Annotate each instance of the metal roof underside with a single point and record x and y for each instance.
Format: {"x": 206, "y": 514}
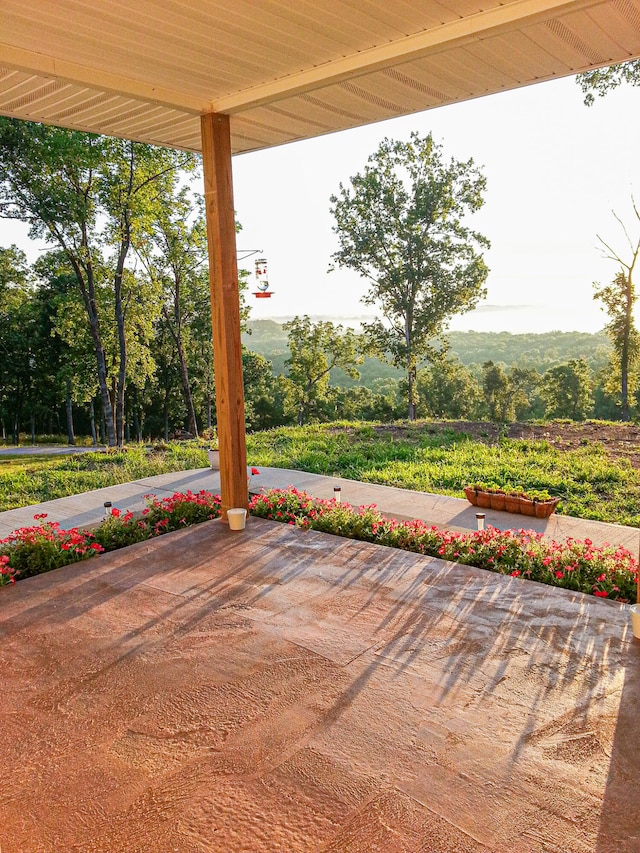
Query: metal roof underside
{"x": 286, "y": 69}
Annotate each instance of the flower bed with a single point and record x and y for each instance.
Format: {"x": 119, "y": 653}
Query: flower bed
{"x": 606, "y": 572}
{"x": 32, "y": 550}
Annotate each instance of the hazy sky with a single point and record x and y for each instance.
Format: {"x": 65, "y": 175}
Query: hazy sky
{"x": 555, "y": 170}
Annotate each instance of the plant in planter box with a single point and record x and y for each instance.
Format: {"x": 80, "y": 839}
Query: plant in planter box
{"x": 538, "y": 503}
{"x": 486, "y": 495}
{"x": 543, "y": 503}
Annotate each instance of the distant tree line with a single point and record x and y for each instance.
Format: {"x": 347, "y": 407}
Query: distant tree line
{"x": 109, "y": 332}
{"x": 445, "y": 387}
{"x": 48, "y": 381}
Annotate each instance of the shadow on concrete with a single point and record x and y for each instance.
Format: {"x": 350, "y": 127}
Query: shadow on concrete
{"x": 620, "y": 818}
{"x": 558, "y": 669}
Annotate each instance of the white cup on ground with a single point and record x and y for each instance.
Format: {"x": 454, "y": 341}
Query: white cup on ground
{"x": 635, "y": 620}
{"x": 237, "y": 518}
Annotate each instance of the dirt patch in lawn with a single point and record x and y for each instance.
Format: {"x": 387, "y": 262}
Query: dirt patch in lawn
{"x": 620, "y": 441}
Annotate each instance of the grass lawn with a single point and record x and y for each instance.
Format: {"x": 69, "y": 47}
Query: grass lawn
{"x": 440, "y": 460}
{"x": 26, "y": 480}
{"x": 424, "y": 457}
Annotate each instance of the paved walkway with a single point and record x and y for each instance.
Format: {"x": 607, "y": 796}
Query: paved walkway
{"x": 49, "y": 450}
{"x": 453, "y": 513}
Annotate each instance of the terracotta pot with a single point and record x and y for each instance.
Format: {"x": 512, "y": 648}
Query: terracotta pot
{"x": 484, "y": 500}
{"x": 498, "y": 501}
{"x": 526, "y": 507}
{"x": 545, "y": 508}
{"x": 470, "y": 495}
{"x": 512, "y": 503}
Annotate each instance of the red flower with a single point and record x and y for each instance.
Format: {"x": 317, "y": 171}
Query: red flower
{"x": 41, "y": 515}
{"x": 254, "y": 471}
{"x": 601, "y": 593}
{"x": 115, "y": 512}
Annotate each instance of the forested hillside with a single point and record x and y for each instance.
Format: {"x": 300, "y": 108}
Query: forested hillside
{"x": 536, "y": 351}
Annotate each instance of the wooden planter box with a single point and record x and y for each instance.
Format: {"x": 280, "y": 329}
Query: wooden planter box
{"x": 470, "y": 495}
{"x": 506, "y": 502}
{"x": 512, "y": 503}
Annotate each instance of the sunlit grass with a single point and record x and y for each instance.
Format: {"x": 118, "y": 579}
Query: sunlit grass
{"x": 26, "y": 480}
{"x": 425, "y": 458}
{"x": 589, "y": 484}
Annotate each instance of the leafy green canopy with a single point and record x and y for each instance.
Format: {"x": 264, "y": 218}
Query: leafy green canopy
{"x": 94, "y": 198}
{"x": 401, "y": 225}
{"x": 601, "y": 81}
{"x": 567, "y": 390}
{"x": 315, "y": 349}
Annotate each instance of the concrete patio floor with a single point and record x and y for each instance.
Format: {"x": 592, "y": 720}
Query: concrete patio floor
{"x": 280, "y": 690}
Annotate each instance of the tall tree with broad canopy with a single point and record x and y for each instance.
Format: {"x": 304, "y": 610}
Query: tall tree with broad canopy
{"x": 89, "y": 196}
{"x": 174, "y": 255}
{"x": 173, "y": 251}
{"x": 618, "y": 299}
{"x": 401, "y": 225}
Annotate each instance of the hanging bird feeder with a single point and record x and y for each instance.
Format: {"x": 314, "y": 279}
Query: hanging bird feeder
{"x": 262, "y": 280}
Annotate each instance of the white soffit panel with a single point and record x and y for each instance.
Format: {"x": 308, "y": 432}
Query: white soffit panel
{"x": 286, "y": 69}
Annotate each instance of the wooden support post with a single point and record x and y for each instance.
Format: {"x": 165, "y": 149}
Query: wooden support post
{"x": 225, "y": 309}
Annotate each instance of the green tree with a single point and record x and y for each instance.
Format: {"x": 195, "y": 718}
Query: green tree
{"x": 316, "y": 348}
{"x": 619, "y": 299}
{"x": 174, "y": 256}
{"x": 567, "y": 390}
{"x": 601, "y": 81}
{"x": 360, "y": 403}
{"x": 64, "y": 368}
{"x": 507, "y": 395}
{"x": 401, "y": 225}
{"x": 447, "y": 389}
{"x": 264, "y": 393}
{"x": 89, "y": 196}
{"x": 17, "y": 332}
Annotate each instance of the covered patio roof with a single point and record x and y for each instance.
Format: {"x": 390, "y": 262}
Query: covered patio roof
{"x": 286, "y": 69}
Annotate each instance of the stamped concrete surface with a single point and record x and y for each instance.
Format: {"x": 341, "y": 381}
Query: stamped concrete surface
{"x": 281, "y": 690}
